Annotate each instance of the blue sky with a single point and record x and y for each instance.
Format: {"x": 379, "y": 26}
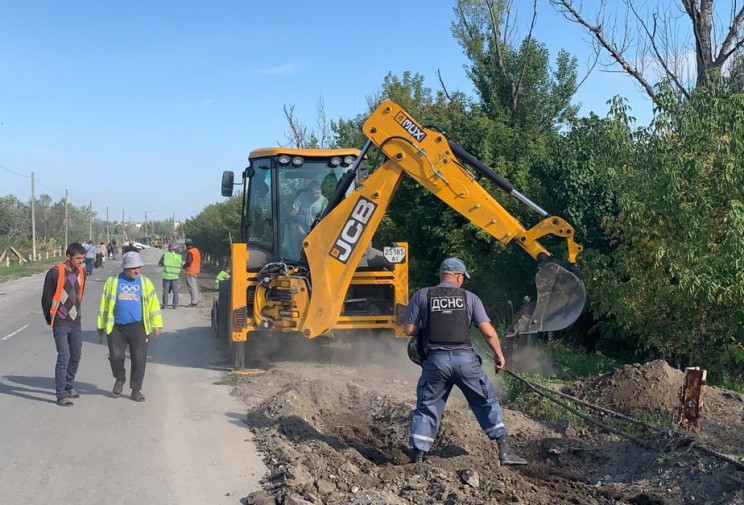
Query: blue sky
{"x": 140, "y": 106}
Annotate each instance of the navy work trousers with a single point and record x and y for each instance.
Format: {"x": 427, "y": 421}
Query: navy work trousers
{"x": 441, "y": 371}
{"x": 69, "y": 343}
{"x": 132, "y": 335}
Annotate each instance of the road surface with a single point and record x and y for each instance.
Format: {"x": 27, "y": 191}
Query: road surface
{"x": 187, "y": 444}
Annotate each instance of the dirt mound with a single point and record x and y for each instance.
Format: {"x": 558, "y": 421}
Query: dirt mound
{"x": 653, "y": 387}
{"x": 337, "y": 433}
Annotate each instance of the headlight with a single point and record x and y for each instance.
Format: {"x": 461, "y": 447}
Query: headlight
{"x": 348, "y": 160}
{"x": 284, "y": 159}
{"x": 297, "y": 161}
{"x": 335, "y": 161}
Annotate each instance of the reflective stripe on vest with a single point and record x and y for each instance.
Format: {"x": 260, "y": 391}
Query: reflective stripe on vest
{"x": 56, "y": 299}
{"x": 194, "y": 269}
{"x": 171, "y": 266}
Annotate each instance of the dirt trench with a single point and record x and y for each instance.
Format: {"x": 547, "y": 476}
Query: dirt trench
{"x": 331, "y": 419}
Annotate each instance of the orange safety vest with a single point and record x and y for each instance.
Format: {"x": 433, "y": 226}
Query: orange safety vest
{"x": 60, "y": 286}
{"x": 193, "y": 268}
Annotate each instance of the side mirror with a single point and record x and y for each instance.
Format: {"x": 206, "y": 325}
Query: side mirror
{"x": 228, "y": 179}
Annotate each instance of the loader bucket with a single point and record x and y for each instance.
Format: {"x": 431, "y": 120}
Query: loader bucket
{"x": 560, "y": 299}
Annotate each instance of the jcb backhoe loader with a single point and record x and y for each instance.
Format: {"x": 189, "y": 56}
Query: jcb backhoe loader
{"x": 308, "y": 272}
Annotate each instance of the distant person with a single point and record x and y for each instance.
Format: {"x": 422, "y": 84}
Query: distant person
{"x": 129, "y": 312}
{"x": 90, "y": 257}
{"x": 129, "y": 248}
{"x": 308, "y": 205}
{"x": 171, "y": 262}
{"x": 99, "y": 255}
{"x": 192, "y": 267}
{"x": 223, "y": 275}
{"x": 443, "y": 314}
{"x": 61, "y": 297}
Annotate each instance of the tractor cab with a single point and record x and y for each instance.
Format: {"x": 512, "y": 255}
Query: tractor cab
{"x": 285, "y": 191}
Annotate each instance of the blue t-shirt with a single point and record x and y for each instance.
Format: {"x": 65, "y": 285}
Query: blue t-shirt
{"x": 128, "y": 306}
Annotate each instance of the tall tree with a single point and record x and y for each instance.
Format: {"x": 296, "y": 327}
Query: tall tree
{"x": 654, "y": 32}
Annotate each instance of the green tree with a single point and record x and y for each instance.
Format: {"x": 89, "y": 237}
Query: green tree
{"x": 675, "y": 279}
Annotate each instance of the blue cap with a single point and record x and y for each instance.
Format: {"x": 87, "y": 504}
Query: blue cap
{"x": 454, "y": 265}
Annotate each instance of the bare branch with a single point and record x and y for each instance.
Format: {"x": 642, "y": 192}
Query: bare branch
{"x": 729, "y": 47}
{"x": 566, "y": 6}
{"x": 518, "y": 84}
{"x": 441, "y": 83}
{"x": 651, "y": 34}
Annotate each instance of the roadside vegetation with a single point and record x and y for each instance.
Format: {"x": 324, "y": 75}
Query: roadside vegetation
{"x": 16, "y": 270}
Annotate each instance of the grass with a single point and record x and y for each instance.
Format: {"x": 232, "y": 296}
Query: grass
{"x": 16, "y": 271}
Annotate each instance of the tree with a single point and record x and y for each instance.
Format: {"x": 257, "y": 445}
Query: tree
{"x": 654, "y": 31}
{"x": 675, "y": 278}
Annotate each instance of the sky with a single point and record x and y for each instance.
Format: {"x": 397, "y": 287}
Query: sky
{"x": 137, "y": 107}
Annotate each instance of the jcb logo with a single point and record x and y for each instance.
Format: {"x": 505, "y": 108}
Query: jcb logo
{"x": 352, "y": 230}
{"x": 409, "y": 126}
{"x": 447, "y": 303}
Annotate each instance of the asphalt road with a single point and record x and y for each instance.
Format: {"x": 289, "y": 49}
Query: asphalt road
{"x": 187, "y": 444}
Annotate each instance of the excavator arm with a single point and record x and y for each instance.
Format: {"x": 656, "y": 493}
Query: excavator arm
{"x": 335, "y": 246}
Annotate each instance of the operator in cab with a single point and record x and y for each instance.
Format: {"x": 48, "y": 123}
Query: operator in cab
{"x": 308, "y": 205}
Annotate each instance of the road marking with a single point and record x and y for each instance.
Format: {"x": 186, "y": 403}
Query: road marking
{"x": 19, "y": 329}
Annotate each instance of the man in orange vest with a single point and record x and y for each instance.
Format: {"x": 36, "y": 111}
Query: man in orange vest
{"x": 60, "y": 302}
{"x": 192, "y": 267}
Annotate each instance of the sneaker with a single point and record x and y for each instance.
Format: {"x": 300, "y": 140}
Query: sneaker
{"x": 118, "y": 387}
{"x": 72, "y": 393}
{"x": 174, "y": 306}
{"x": 65, "y": 402}
{"x": 193, "y": 305}
{"x": 137, "y": 396}
{"x": 163, "y": 307}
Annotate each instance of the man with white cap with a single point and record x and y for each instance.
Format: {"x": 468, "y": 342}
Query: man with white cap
{"x": 443, "y": 315}
{"x": 129, "y": 312}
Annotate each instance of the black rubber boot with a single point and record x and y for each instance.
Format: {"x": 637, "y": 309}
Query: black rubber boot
{"x": 417, "y": 456}
{"x": 506, "y": 457}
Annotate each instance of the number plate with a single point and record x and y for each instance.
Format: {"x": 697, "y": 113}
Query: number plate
{"x": 394, "y": 254}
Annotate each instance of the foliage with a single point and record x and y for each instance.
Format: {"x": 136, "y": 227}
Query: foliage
{"x": 216, "y": 227}
{"x": 675, "y": 277}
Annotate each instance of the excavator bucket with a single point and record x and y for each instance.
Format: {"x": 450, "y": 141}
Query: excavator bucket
{"x": 560, "y": 299}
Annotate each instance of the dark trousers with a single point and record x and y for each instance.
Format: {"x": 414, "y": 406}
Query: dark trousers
{"x": 89, "y": 264}
{"x": 132, "y": 335}
{"x": 168, "y": 286}
{"x": 441, "y": 371}
{"x": 69, "y": 342}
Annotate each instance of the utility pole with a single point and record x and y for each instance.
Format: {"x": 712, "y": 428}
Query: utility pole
{"x": 90, "y": 220}
{"x": 146, "y": 234}
{"x": 108, "y": 238}
{"x": 174, "y": 225}
{"x": 33, "y": 218}
{"x": 67, "y": 224}
{"x": 123, "y": 229}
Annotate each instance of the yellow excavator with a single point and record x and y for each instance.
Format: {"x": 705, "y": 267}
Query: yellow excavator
{"x": 305, "y": 262}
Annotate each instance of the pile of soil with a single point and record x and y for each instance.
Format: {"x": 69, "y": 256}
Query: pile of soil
{"x": 333, "y": 426}
{"x": 332, "y": 418}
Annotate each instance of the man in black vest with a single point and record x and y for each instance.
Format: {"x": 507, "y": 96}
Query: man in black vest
{"x": 444, "y": 314}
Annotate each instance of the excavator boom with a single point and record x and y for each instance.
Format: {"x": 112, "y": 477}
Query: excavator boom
{"x": 437, "y": 164}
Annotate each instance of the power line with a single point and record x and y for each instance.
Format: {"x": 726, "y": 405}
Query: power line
{"x": 14, "y": 173}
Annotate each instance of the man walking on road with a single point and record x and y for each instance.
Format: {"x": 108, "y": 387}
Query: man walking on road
{"x": 192, "y": 267}
{"x": 445, "y": 313}
{"x": 90, "y": 257}
{"x": 60, "y": 302}
{"x": 171, "y": 263}
{"x": 128, "y": 313}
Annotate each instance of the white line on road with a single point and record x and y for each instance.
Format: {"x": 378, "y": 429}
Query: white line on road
{"x": 19, "y": 329}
